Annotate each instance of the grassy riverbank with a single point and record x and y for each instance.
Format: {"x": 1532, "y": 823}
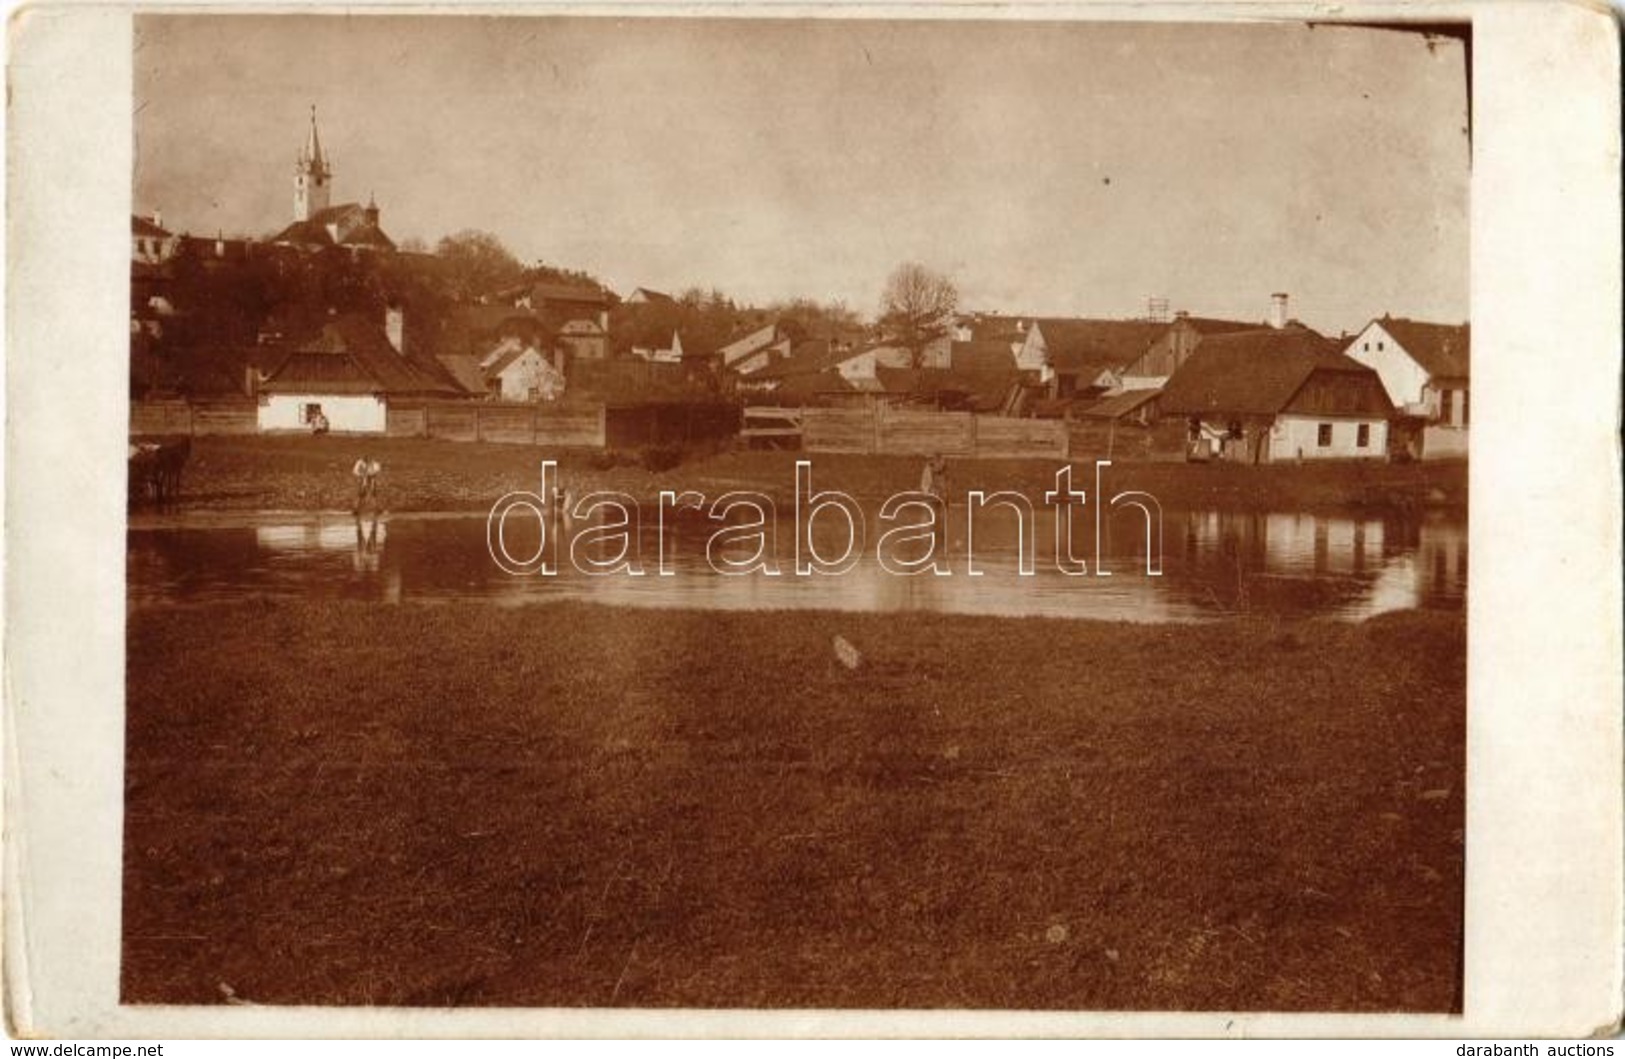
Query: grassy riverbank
{"x": 579, "y": 805}
{"x": 311, "y": 473}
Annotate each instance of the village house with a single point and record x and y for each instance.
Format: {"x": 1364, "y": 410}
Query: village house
{"x": 578, "y": 316}
{"x": 345, "y": 377}
{"x": 755, "y": 349}
{"x": 1426, "y": 370}
{"x": 1278, "y": 394}
{"x": 1081, "y": 357}
{"x": 517, "y": 370}
{"x": 1169, "y": 351}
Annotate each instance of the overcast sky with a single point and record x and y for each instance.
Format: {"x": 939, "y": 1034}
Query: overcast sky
{"x": 1049, "y": 168}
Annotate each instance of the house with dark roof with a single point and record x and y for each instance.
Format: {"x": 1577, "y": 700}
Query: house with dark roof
{"x": 346, "y": 376}
{"x": 577, "y": 315}
{"x": 1083, "y": 356}
{"x": 992, "y": 354}
{"x": 1425, "y": 367}
{"x": 1169, "y": 350}
{"x": 1273, "y": 394}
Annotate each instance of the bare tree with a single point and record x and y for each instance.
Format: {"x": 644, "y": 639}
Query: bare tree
{"x": 917, "y": 307}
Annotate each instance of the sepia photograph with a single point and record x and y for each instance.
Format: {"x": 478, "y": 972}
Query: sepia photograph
{"x": 784, "y": 513}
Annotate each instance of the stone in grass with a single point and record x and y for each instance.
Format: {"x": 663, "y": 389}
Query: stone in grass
{"x": 849, "y": 656}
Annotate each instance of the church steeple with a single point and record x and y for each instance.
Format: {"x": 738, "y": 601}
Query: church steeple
{"x": 312, "y": 176}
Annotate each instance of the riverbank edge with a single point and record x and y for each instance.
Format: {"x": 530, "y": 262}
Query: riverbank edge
{"x": 300, "y": 474}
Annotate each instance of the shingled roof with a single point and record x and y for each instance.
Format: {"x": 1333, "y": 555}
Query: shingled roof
{"x": 1080, "y": 346}
{"x": 990, "y": 354}
{"x": 1252, "y": 372}
{"x": 1443, "y": 350}
{"x": 352, "y": 356}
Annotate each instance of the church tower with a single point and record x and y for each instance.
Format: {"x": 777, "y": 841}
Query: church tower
{"x": 312, "y": 176}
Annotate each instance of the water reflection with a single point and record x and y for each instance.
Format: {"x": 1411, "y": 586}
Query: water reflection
{"x": 1214, "y": 563}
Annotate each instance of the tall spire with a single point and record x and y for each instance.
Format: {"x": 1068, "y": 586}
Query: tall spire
{"x": 312, "y": 155}
{"x": 312, "y": 176}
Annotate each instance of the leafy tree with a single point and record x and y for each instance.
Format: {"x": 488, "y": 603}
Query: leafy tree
{"x": 478, "y": 263}
{"x": 917, "y": 307}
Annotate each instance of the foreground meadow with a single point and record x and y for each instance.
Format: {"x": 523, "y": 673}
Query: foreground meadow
{"x": 460, "y": 804}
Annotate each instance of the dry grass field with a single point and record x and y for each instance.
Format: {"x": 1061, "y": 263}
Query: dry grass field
{"x": 461, "y": 804}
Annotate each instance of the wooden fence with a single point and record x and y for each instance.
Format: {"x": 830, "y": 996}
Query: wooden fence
{"x": 892, "y": 432}
{"x": 169, "y": 417}
{"x": 581, "y": 426}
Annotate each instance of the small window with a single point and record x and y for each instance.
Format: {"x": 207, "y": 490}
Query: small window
{"x": 1379, "y": 347}
{"x": 1368, "y": 347}
{"x": 1362, "y": 436}
{"x": 313, "y": 412}
{"x": 1325, "y": 438}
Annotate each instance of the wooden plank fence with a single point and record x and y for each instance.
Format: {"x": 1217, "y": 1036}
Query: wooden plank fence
{"x": 579, "y": 426}
{"x": 175, "y": 416}
{"x": 891, "y": 432}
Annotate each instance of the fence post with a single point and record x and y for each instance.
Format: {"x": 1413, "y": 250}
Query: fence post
{"x": 879, "y": 413}
{"x": 975, "y": 435}
{"x": 603, "y": 425}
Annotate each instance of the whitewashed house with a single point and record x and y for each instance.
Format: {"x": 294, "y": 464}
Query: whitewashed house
{"x": 1426, "y": 369}
{"x": 520, "y": 371}
{"x": 1271, "y": 395}
{"x": 345, "y": 377}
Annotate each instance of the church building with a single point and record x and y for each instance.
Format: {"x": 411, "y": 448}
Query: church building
{"x": 316, "y": 224}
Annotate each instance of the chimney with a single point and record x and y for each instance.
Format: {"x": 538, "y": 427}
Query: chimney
{"x": 370, "y": 213}
{"x": 157, "y": 219}
{"x": 1278, "y": 310}
{"x": 395, "y": 327}
{"x": 219, "y": 244}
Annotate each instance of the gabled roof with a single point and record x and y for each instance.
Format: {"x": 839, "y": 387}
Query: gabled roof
{"x": 988, "y": 326}
{"x": 1252, "y": 372}
{"x": 1119, "y": 405}
{"x": 1443, "y": 350}
{"x": 1210, "y": 325}
{"x": 352, "y": 356}
{"x": 653, "y": 297}
{"x": 500, "y": 365}
{"x": 1088, "y": 347}
{"x": 541, "y": 293}
{"x": 808, "y": 358}
{"x": 991, "y": 354}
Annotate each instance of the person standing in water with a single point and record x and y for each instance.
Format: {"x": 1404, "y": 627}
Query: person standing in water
{"x": 366, "y": 472}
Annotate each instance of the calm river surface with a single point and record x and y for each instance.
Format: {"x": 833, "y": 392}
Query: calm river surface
{"x": 1213, "y": 564}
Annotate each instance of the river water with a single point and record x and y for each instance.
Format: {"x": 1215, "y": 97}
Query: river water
{"x": 1213, "y": 564}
